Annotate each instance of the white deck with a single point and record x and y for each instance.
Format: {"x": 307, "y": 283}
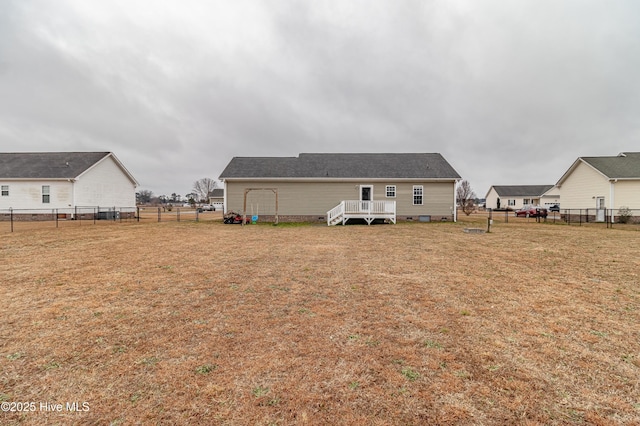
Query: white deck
{"x": 367, "y": 210}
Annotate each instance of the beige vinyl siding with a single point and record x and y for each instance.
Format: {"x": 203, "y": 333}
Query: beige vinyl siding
{"x": 316, "y": 197}
{"x": 627, "y": 194}
{"x": 582, "y": 186}
{"x": 437, "y": 199}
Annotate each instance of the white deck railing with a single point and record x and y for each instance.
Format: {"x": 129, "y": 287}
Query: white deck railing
{"x": 334, "y": 213}
{"x": 369, "y": 207}
{"x": 368, "y": 210}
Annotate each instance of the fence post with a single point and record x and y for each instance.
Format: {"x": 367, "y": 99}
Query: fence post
{"x": 11, "y": 217}
{"x": 55, "y": 212}
{"x": 138, "y": 213}
{"x": 178, "y": 214}
{"x": 159, "y": 215}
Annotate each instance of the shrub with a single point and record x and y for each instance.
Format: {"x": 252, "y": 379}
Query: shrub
{"x": 624, "y": 214}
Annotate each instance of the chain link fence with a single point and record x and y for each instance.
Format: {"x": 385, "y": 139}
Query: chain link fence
{"x": 623, "y": 217}
{"x": 22, "y": 219}
{"x": 16, "y": 219}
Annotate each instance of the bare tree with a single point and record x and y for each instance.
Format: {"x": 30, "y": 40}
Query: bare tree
{"x": 144, "y": 196}
{"x": 466, "y": 197}
{"x": 203, "y": 187}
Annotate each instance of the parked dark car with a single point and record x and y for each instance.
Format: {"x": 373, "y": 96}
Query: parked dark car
{"x": 531, "y": 211}
{"x": 554, "y": 208}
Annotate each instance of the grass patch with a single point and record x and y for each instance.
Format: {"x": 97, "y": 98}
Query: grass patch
{"x": 206, "y": 368}
{"x": 410, "y": 374}
{"x": 260, "y": 391}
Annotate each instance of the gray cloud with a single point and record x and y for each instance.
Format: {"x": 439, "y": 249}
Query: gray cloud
{"x": 508, "y": 92}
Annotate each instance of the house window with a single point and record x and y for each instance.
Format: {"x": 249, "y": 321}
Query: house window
{"x": 391, "y": 191}
{"x": 417, "y": 195}
{"x": 46, "y": 194}
{"x": 526, "y": 201}
{"x": 512, "y": 202}
{"x": 5, "y": 190}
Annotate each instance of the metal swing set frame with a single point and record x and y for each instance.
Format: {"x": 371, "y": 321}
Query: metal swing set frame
{"x": 244, "y": 206}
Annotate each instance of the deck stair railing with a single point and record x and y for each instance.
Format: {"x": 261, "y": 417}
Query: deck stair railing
{"x": 361, "y": 209}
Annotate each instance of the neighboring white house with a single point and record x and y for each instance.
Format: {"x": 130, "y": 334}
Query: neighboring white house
{"x": 216, "y": 198}
{"x": 601, "y": 183}
{"x": 516, "y": 196}
{"x": 64, "y": 181}
{"x": 551, "y": 197}
{"x": 338, "y": 187}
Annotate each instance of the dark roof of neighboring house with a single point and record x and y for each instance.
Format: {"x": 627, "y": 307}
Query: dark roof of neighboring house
{"x": 51, "y": 165}
{"x": 625, "y": 165}
{"x": 345, "y": 166}
{"x": 217, "y": 193}
{"x": 521, "y": 190}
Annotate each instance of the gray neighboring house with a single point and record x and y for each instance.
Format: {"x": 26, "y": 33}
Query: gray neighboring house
{"x": 338, "y": 187}
{"x": 516, "y": 196}
{"x": 64, "y": 181}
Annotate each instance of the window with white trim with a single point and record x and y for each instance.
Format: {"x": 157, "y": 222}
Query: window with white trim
{"x": 391, "y": 191}
{"x": 417, "y": 195}
{"x": 512, "y": 202}
{"x": 526, "y": 201}
{"x": 5, "y": 190}
{"x": 46, "y": 194}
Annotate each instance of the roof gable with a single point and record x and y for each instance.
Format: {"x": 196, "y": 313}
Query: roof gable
{"x": 625, "y": 165}
{"x": 345, "y": 166}
{"x": 52, "y": 165}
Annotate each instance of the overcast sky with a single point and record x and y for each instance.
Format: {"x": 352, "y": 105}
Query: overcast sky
{"x": 510, "y": 92}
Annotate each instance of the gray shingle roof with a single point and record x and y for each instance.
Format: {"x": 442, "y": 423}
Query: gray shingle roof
{"x": 372, "y": 166}
{"x": 47, "y": 165}
{"x": 623, "y": 166}
{"x": 217, "y": 193}
{"x": 521, "y": 190}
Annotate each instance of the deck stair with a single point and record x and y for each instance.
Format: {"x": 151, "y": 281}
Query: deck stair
{"x": 367, "y": 210}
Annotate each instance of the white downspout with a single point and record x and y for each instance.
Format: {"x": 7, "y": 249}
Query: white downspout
{"x": 612, "y": 192}
{"x": 224, "y": 198}
{"x": 455, "y": 205}
{"x": 73, "y": 197}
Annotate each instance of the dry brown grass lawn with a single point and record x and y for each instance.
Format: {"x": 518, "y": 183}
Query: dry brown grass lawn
{"x": 205, "y": 323}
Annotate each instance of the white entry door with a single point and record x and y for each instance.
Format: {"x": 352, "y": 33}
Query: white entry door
{"x": 366, "y": 195}
{"x": 600, "y": 209}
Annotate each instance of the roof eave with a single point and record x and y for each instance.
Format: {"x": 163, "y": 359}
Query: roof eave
{"x": 337, "y": 179}
{"x": 62, "y": 179}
